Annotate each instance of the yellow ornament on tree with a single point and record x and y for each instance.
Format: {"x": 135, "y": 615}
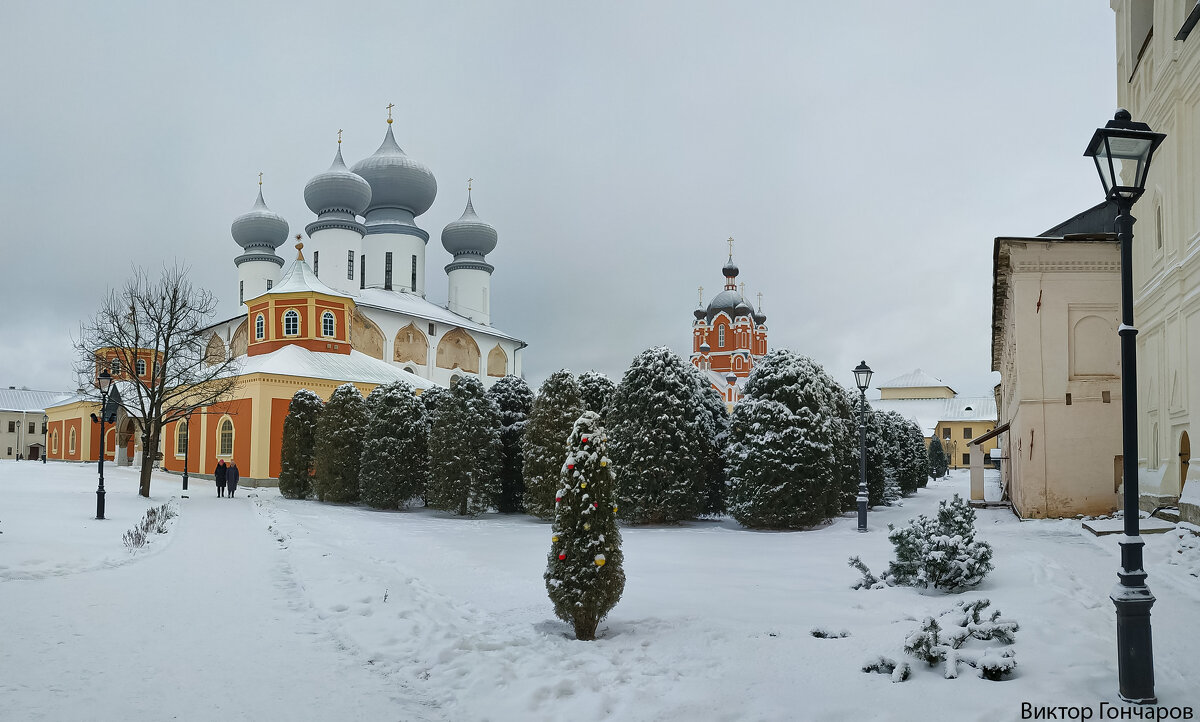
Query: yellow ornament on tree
{"x": 599, "y": 560}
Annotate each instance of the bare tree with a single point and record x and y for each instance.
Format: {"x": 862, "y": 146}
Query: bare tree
{"x": 152, "y": 333}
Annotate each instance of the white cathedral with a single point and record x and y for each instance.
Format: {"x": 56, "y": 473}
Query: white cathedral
{"x": 365, "y": 245}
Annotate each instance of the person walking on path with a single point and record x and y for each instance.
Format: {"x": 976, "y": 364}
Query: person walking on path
{"x": 231, "y": 478}
{"x": 220, "y": 475}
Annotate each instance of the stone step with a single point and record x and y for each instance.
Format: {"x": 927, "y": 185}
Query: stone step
{"x": 1104, "y": 527}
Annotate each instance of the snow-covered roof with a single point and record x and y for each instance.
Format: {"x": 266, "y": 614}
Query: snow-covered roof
{"x": 292, "y": 360}
{"x": 301, "y": 279}
{"x": 928, "y": 412}
{"x": 718, "y": 379}
{"x": 30, "y": 401}
{"x": 913, "y": 379}
{"x": 413, "y": 305}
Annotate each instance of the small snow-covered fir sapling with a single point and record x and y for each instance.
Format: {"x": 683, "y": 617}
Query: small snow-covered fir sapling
{"x": 297, "y": 444}
{"x": 394, "y": 466}
{"x": 584, "y": 574}
{"x": 941, "y": 551}
{"x": 942, "y": 639}
{"x": 869, "y": 580}
{"x": 899, "y": 671}
{"x": 939, "y": 465}
{"x": 338, "y": 446}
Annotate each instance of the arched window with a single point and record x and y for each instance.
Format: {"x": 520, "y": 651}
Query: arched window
{"x": 140, "y": 364}
{"x": 291, "y": 323}
{"x": 260, "y": 327}
{"x": 114, "y": 366}
{"x": 328, "y": 324}
{"x": 54, "y": 442}
{"x": 720, "y": 337}
{"x": 225, "y": 437}
{"x": 181, "y": 438}
{"x": 71, "y": 440}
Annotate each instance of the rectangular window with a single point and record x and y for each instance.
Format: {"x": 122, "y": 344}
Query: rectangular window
{"x": 350, "y": 265}
{"x": 362, "y": 271}
{"x": 10, "y": 451}
{"x": 387, "y": 271}
{"x": 720, "y": 337}
{"x": 431, "y": 331}
{"x": 241, "y": 291}
{"x": 414, "y": 274}
{"x": 317, "y": 263}
{"x": 269, "y": 284}
{"x": 946, "y": 433}
{"x": 12, "y": 427}
{"x": 966, "y": 432}
{"x": 32, "y": 428}
{"x": 966, "y": 459}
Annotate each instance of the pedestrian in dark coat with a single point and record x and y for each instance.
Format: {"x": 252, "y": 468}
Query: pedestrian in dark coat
{"x": 231, "y": 478}
{"x": 220, "y": 475}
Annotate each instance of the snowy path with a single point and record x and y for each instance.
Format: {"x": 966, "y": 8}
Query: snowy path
{"x": 181, "y": 634}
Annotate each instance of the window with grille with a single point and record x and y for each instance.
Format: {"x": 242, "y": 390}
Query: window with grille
{"x": 270, "y": 283}
{"x": 316, "y": 263}
{"x": 114, "y": 367}
{"x": 414, "y": 274}
{"x": 328, "y": 324}
{"x": 387, "y": 271}
{"x": 225, "y": 436}
{"x": 350, "y": 265}
{"x": 260, "y": 327}
{"x": 181, "y": 438}
{"x": 720, "y": 337}
{"x": 291, "y": 323}
{"x": 967, "y": 432}
{"x": 32, "y": 428}
{"x": 241, "y": 291}
{"x": 362, "y": 271}
{"x": 140, "y": 365}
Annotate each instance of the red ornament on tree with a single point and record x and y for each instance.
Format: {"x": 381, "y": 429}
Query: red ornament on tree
{"x": 585, "y": 439}
{"x": 561, "y": 557}
{"x": 570, "y": 466}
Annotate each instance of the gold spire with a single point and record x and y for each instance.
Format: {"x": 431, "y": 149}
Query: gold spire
{"x": 730, "y": 241}
{"x": 389, "y": 107}
{"x": 469, "y": 180}
{"x": 339, "y": 136}
{"x": 299, "y": 248}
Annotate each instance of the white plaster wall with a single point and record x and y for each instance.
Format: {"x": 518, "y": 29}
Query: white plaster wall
{"x": 334, "y": 244}
{"x": 253, "y": 277}
{"x": 403, "y": 248}
{"x": 469, "y": 294}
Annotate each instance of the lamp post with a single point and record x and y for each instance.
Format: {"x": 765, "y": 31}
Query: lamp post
{"x": 1122, "y": 150}
{"x": 45, "y": 437}
{"x": 187, "y": 442}
{"x": 862, "y": 377}
{"x": 104, "y": 382}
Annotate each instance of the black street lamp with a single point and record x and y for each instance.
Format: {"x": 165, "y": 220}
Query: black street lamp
{"x": 1122, "y": 150}
{"x": 862, "y": 377}
{"x": 104, "y": 382}
{"x": 187, "y": 442}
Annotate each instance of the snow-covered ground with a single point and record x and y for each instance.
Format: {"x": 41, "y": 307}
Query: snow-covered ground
{"x": 260, "y": 607}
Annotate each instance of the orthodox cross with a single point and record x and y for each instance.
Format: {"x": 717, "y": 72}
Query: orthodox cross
{"x": 760, "y": 300}
{"x": 389, "y": 108}
{"x": 299, "y": 248}
{"x": 743, "y": 289}
{"x": 339, "y": 136}
{"x": 469, "y": 184}
{"x": 260, "y": 178}
{"x": 730, "y": 246}
{"x": 702, "y": 295}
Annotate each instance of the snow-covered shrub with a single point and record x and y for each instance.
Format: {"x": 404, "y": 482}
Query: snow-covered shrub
{"x": 465, "y": 451}
{"x": 1187, "y": 549}
{"x": 557, "y": 406}
{"x": 596, "y": 390}
{"x": 338, "y": 447}
{"x": 939, "y": 465}
{"x": 824, "y": 633}
{"x": 394, "y": 466}
{"x": 940, "y": 551}
{"x": 662, "y": 438}
{"x": 584, "y": 573}
{"x": 789, "y": 447}
{"x": 899, "y": 671}
{"x": 869, "y": 580}
{"x": 942, "y": 639}
{"x": 297, "y": 445}
{"x": 515, "y": 400}
{"x": 714, "y": 461}
{"x": 154, "y": 521}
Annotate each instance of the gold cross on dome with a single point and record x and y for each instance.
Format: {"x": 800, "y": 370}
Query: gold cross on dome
{"x": 743, "y": 289}
{"x": 730, "y": 242}
{"x": 702, "y": 295}
{"x": 260, "y": 178}
{"x": 389, "y": 108}
{"x": 760, "y": 300}
{"x": 469, "y": 181}
{"x": 339, "y": 136}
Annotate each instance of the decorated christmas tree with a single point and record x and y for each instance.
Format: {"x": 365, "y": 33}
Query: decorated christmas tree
{"x": 557, "y": 406}
{"x": 299, "y": 438}
{"x": 395, "y": 455}
{"x": 515, "y": 400}
{"x": 339, "y": 445}
{"x": 584, "y": 574}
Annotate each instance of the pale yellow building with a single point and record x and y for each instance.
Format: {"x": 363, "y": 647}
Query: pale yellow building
{"x": 940, "y": 411}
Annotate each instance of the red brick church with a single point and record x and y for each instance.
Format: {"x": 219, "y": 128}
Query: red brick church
{"x": 728, "y": 336}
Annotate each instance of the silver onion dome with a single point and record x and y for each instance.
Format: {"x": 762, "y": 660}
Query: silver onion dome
{"x": 260, "y": 227}
{"x": 337, "y": 190}
{"x": 729, "y": 301}
{"x": 698, "y": 313}
{"x": 396, "y": 180}
{"x": 469, "y": 234}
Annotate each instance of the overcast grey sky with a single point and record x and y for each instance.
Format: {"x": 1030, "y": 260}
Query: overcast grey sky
{"x": 863, "y": 155}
